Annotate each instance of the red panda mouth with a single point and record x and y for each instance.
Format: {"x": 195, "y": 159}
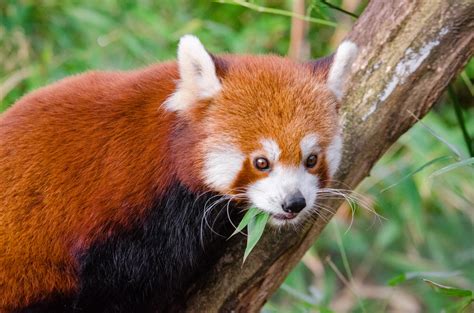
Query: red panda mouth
{"x": 284, "y": 216}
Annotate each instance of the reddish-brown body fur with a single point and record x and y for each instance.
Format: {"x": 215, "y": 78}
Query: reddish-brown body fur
{"x": 84, "y": 155}
{"x": 82, "y": 148}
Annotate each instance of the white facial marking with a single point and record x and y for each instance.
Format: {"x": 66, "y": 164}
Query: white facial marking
{"x": 269, "y": 193}
{"x": 222, "y": 164}
{"x": 198, "y": 78}
{"x": 334, "y": 153}
{"x": 341, "y": 67}
{"x": 271, "y": 148}
{"x": 309, "y": 144}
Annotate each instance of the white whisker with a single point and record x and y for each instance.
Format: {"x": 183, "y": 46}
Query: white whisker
{"x": 353, "y": 199}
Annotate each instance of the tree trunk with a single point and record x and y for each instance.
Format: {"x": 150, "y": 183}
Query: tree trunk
{"x": 409, "y": 52}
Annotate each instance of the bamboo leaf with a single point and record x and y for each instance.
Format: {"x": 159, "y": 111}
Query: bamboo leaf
{"x": 411, "y": 275}
{"x": 453, "y": 166}
{"x": 255, "y": 230}
{"x": 467, "y": 82}
{"x": 397, "y": 280}
{"x": 460, "y": 118}
{"x": 446, "y": 157}
{"x": 249, "y": 215}
{"x": 447, "y": 290}
{"x": 437, "y": 136}
{"x": 262, "y": 9}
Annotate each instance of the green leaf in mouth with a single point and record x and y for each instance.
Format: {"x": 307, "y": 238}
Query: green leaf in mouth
{"x": 255, "y": 221}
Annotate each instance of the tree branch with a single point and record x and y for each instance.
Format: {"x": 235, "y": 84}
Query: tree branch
{"x": 335, "y": 7}
{"x": 299, "y": 47}
{"x": 409, "y": 52}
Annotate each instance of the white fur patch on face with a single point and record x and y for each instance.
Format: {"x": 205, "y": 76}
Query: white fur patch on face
{"x": 198, "y": 78}
{"x": 271, "y": 148}
{"x": 222, "y": 164}
{"x": 334, "y": 153}
{"x": 309, "y": 144}
{"x": 341, "y": 68}
{"x": 269, "y": 193}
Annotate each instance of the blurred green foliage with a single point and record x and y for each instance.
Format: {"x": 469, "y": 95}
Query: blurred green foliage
{"x": 377, "y": 265}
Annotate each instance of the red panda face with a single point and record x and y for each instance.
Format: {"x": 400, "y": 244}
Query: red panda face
{"x": 271, "y": 134}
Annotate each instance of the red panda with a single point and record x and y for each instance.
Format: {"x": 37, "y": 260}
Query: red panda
{"x": 112, "y": 184}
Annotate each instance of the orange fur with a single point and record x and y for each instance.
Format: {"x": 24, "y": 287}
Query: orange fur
{"x": 84, "y": 156}
{"x": 70, "y": 155}
{"x": 298, "y": 99}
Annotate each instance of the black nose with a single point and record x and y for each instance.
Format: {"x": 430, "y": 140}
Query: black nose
{"x": 294, "y": 203}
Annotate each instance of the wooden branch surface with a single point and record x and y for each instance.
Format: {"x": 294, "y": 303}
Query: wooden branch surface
{"x": 409, "y": 52}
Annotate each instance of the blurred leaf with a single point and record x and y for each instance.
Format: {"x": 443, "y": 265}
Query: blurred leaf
{"x": 453, "y": 166}
{"x": 388, "y": 234}
{"x": 298, "y": 294}
{"x": 467, "y": 82}
{"x": 451, "y": 147}
{"x": 297, "y": 280}
{"x": 411, "y": 209}
{"x": 91, "y": 17}
{"x": 460, "y": 118}
{"x": 449, "y": 291}
{"x": 411, "y": 275}
{"x": 262, "y": 9}
{"x": 189, "y": 28}
{"x": 397, "y": 280}
{"x": 442, "y": 158}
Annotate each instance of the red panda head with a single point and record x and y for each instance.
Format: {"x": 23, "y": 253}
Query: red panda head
{"x": 269, "y": 126}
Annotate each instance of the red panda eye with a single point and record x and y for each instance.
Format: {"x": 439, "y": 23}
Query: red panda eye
{"x": 261, "y": 164}
{"x": 311, "y": 161}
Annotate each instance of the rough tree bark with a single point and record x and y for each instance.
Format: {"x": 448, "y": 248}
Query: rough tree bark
{"x": 409, "y": 52}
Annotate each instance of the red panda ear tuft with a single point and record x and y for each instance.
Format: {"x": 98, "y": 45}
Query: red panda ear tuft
{"x": 341, "y": 68}
{"x": 221, "y": 64}
{"x": 198, "y": 76}
{"x": 321, "y": 66}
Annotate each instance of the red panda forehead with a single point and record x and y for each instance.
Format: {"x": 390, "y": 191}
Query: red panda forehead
{"x": 273, "y": 85}
{"x": 269, "y": 75}
{"x": 273, "y": 98}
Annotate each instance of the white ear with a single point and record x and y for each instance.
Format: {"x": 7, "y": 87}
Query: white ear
{"x": 198, "y": 78}
{"x": 341, "y": 68}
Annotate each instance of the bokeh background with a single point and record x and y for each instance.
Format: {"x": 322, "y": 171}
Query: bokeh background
{"x": 412, "y": 227}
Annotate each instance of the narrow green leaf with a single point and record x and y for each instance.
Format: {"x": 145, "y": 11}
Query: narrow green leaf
{"x": 453, "y": 166}
{"x": 307, "y": 299}
{"x": 442, "y": 158}
{"x": 249, "y": 215}
{"x": 467, "y": 82}
{"x": 451, "y": 147}
{"x": 255, "y": 230}
{"x": 397, "y": 280}
{"x": 449, "y": 291}
{"x": 460, "y": 117}
{"x": 410, "y": 275}
{"x": 263, "y": 9}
